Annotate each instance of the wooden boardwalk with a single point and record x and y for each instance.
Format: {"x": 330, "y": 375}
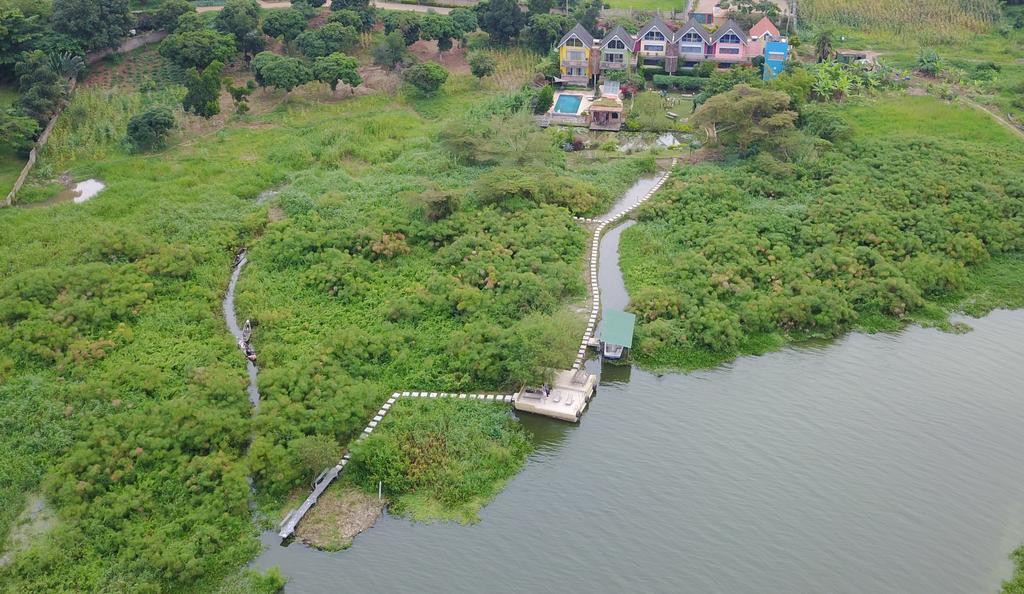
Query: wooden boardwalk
{"x": 595, "y": 245}
{"x": 323, "y": 481}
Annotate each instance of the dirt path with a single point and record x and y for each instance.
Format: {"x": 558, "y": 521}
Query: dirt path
{"x": 995, "y": 116}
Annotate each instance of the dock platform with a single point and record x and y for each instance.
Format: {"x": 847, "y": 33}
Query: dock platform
{"x": 566, "y": 400}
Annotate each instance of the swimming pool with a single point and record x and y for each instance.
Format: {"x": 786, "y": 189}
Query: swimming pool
{"x": 569, "y": 104}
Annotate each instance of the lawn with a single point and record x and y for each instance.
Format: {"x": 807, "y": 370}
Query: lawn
{"x": 648, "y": 109}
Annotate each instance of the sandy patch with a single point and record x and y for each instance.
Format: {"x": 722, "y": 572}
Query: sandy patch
{"x": 338, "y": 516}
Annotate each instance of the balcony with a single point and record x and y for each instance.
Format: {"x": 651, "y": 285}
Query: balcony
{"x": 575, "y": 63}
{"x": 612, "y": 65}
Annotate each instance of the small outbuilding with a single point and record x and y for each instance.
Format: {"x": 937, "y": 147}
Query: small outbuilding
{"x": 616, "y": 333}
{"x": 607, "y": 111}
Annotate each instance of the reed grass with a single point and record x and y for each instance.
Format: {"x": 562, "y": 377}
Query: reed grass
{"x": 926, "y": 21}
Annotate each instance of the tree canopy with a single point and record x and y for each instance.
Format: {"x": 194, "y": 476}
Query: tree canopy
{"x": 481, "y": 64}
{"x": 287, "y": 24}
{"x": 238, "y": 17}
{"x": 328, "y": 39}
{"x": 502, "y": 19}
{"x": 96, "y": 24}
{"x": 148, "y": 130}
{"x": 280, "y": 72}
{"x": 198, "y": 48}
{"x": 203, "y": 90}
{"x": 336, "y": 68}
{"x": 426, "y": 76}
{"x": 543, "y": 31}
{"x": 745, "y": 116}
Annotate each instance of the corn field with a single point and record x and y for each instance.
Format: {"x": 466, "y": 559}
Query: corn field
{"x": 924, "y": 21}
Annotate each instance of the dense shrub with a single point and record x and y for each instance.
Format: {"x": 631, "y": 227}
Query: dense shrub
{"x": 457, "y": 453}
{"x": 876, "y": 228}
{"x": 149, "y": 129}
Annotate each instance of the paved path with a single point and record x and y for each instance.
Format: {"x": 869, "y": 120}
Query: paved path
{"x": 382, "y": 5}
{"x": 263, "y": 4}
{"x": 410, "y": 7}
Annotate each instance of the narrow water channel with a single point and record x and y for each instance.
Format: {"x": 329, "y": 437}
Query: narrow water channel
{"x": 876, "y": 463}
{"x": 232, "y": 322}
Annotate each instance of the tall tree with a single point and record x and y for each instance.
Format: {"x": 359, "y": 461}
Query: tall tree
{"x": 326, "y": 40}
{"x": 407, "y": 23}
{"x": 481, "y": 64}
{"x": 18, "y": 131}
{"x": 96, "y": 24}
{"x": 41, "y": 87}
{"x": 441, "y": 28}
{"x": 337, "y": 68}
{"x": 502, "y": 19}
{"x": 238, "y": 17}
{"x": 203, "y": 90}
{"x": 287, "y": 24}
{"x": 18, "y": 32}
{"x": 465, "y": 20}
{"x": 543, "y": 31}
{"x": 587, "y": 14}
{"x": 198, "y": 48}
{"x": 166, "y": 17}
{"x": 390, "y": 51}
{"x": 353, "y": 4}
{"x": 285, "y": 73}
{"x": 745, "y": 117}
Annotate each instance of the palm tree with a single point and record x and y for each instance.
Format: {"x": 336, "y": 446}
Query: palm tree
{"x": 67, "y": 64}
{"x": 823, "y": 46}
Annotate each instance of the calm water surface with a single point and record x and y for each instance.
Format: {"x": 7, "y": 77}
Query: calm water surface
{"x": 887, "y": 463}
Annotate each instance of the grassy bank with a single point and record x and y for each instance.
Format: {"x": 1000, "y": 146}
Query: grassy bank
{"x": 440, "y": 459}
{"x": 912, "y": 216}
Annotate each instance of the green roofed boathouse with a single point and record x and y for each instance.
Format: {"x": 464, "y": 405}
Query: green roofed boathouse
{"x": 616, "y": 333}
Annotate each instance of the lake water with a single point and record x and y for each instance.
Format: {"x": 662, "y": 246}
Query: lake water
{"x": 876, "y": 463}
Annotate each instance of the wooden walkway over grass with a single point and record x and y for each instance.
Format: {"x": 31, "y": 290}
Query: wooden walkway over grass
{"x": 291, "y": 521}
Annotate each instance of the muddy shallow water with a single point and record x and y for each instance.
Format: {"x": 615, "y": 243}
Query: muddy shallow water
{"x": 877, "y": 463}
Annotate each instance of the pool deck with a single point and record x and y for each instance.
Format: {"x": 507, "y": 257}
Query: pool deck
{"x": 570, "y": 119}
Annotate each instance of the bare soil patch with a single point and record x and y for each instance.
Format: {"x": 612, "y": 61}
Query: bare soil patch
{"x": 454, "y": 59}
{"x": 338, "y": 516}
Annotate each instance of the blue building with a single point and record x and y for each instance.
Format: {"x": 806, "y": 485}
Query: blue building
{"x": 775, "y": 55}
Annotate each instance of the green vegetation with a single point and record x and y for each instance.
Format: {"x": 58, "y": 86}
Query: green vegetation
{"x": 1015, "y": 585}
{"x": 926, "y": 21}
{"x": 398, "y": 253}
{"x": 648, "y": 111}
{"x": 440, "y": 459}
{"x": 891, "y": 226}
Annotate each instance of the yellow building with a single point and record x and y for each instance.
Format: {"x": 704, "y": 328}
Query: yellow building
{"x": 574, "y": 51}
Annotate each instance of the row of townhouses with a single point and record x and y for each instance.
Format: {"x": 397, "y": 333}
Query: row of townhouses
{"x": 657, "y": 46}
